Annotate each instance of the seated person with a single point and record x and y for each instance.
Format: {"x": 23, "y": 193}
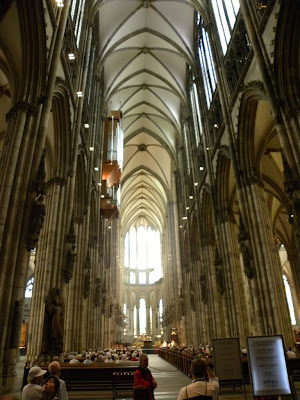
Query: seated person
{"x": 199, "y": 386}
{"x": 74, "y": 360}
{"x": 87, "y": 359}
{"x": 290, "y": 353}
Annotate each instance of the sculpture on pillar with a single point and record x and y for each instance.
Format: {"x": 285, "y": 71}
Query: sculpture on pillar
{"x": 181, "y": 304}
{"x": 203, "y": 286}
{"x": 104, "y": 304}
{"x": 245, "y": 248}
{"x": 87, "y": 284}
{"x": 36, "y": 221}
{"x": 192, "y": 298}
{"x": 70, "y": 262}
{"x": 71, "y": 254}
{"x": 87, "y": 281}
{"x": 219, "y": 273}
{"x": 53, "y": 323}
{"x": 38, "y": 208}
{"x": 97, "y": 297}
{"x": 111, "y": 309}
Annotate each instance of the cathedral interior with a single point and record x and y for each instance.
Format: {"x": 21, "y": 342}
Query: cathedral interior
{"x": 150, "y": 173}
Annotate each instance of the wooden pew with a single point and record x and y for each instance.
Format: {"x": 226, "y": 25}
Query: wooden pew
{"x": 96, "y": 376}
{"x": 122, "y": 384}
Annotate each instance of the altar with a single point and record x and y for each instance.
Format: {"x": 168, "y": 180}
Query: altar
{"x": 147, "y": 344}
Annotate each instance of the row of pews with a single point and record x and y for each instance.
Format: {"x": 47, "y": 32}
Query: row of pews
{"x": 183, "y": 363}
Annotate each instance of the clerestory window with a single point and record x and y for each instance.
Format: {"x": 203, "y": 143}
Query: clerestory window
{"x": 225, "y": 12}
{"x": 142, "y": 255}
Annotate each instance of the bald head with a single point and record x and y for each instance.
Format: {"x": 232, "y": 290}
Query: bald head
{"x": 54, "y": 368}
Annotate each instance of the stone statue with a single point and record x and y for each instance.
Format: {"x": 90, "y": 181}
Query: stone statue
{"x": 181, "y": 305}
{"x": 87, "y": 284}
{"x": 70, "y": 261}
{"x": 36, "y": 221}
{"x": 203, "y": 286}
{"x": 97, "y": 296}
{"x": 104, "y": 304}
{"x": 111, "y": 309}
{"x": 219, "y": 279}
{"x": 53, "y": 323}
{"x": 245, "y": 249}
{"x": 192, "y": 300}
{"x": 219, "y": 273}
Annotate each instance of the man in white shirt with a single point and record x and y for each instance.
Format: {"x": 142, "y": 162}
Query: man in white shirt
{"x": 199, "y": 386}
{"x": 290, "y": 353}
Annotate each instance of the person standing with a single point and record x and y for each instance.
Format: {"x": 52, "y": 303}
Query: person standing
{"x": 143, "y": 382}
{"x": 54, "y": 370}
{"x": 199, "y": 385}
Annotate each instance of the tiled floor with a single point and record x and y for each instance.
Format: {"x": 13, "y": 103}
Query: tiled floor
{"x": 169, "y": 382}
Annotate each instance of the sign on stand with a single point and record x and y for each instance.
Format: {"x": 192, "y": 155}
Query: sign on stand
{"x": 227, "y": 359}
{"x": 267, "y": 364}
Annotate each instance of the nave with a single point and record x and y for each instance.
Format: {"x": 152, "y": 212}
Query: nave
{"x": 149, "y": 174}
{"x": 169, "y": 382}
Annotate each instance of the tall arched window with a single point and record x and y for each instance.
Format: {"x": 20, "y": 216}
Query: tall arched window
{"x": 225, "y": 15}
{"x": 142, "y": 255}
{"x": 187, "y": 148}
{"x": 142, "y": 316}
{"x": 77, "y": 11}
{"x": 195, "y": 112}
{"x": 206, "y": 61}
{"x": 134, "y": 321}
{"x": 289, "y": 299}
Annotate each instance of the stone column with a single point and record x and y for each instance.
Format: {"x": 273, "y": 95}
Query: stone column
{"x": 48, "y": 270}
{"x": 268, "y": 270}
{"x": 148, "y": 330}
{"x": 138, "y": 319}
{"x": 14, "y": 259}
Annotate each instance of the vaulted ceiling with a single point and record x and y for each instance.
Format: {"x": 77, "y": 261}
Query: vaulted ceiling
{"x": 145, "y": 47}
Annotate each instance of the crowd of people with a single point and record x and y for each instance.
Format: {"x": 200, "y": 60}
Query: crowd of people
{"x": 204, "y": 381}
{"x": 105, "y": 355}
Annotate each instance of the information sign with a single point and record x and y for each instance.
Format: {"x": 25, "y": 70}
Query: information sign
{"x": 227, "y": 359}
{"x": 268, "y": 366}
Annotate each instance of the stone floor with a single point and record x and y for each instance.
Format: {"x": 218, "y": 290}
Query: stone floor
{"x": 169, "y": 382}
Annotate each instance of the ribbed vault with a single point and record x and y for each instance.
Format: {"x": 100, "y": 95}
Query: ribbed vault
{"x": 145, "y": 47}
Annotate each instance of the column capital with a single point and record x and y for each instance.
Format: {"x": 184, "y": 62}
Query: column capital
{"x": 22, "y": 106}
